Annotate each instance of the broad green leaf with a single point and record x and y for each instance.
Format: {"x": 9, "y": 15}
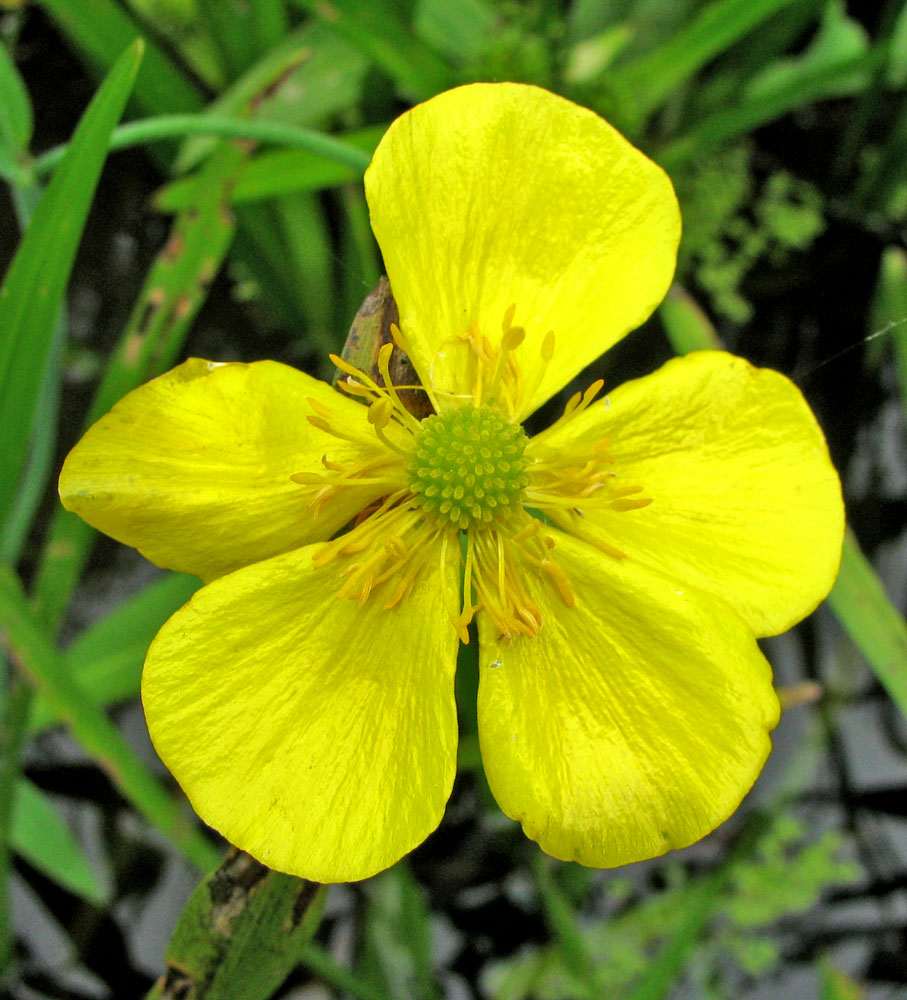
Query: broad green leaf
{"x": 22, "y": 632}
{"x": 242, "y": 932}
{"x": 46, "y": 842}
{"x": 101, "y": 29}
{"x": 277, "y": 172}
{"x": 650, "y": 80}
{"x": 170, "y": 299}
{"x": 33, "y": 288}
{"x": 871, "y": 620}
{"x": 376, "y": 30}
{"x": 106, "y": 659}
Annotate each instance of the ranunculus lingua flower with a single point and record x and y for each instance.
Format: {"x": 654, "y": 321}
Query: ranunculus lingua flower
{"x": 618, "y": 566}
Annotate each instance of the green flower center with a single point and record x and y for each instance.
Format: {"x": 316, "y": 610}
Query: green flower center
{"x": 468, "y": 465}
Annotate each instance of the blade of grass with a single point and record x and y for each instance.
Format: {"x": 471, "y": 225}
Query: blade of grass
{"x": 46, "y": 842}
{"x": 33, "y": 653}
{"x": 858, "y": 598}
{"x": 173, "y": 126}
{"x": 655, "y": 76}
{"x": 686, "y": 325}
{"x": 33, "y": 288}
{"x": 101, "y": 29}
{"x": 860, "y": 603}
{"x": 106, "y": 659}
{"x": 375, "y": 30}
{"x": 172, "y": 294}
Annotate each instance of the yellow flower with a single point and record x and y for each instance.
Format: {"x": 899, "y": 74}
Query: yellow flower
{"x": 624, "y": 706}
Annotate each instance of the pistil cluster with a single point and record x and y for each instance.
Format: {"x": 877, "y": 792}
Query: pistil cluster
{"x": 467, "y": 469}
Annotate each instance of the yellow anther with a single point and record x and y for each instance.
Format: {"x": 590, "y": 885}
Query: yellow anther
{"x": 379, "y": 413}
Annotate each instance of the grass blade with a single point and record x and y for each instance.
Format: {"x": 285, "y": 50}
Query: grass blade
{"x": 33, "y": 289}
{"x": 34, "y": 654}
{"x": 40, "y": 836}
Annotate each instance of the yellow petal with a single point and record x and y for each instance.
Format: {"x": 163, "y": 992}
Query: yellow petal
{"x": 318, "y": 735}
{"x": 193, "y": 469}
{"x": 493, "y": 195}
{"x": 633, "y": 723}
{"x": 745, "y": 501}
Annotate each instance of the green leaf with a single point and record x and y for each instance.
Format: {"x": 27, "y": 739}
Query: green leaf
{"x": 45, "y": 841}
{"x": 889, "y": 313}
{"x": 651, "y": 79}
{"x": 376, "y": 30}
{"x": 837, "y": 985}
{"x": 33, "y": 289}
{"x": 106, "y": 659}
{"x": 242, "y": 932}
{"x": 101, "y": 29}
{"x": 36, "y": 657}
{"x": 871, "y": 620}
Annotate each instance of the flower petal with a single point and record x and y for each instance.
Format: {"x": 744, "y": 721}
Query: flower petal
{"x": 633, "y": 723}
{"x": 316, "y": 734}
{"x": 493, "y": 195}
{"x": 193, "y": 468}
{"x": 745, "y": 501}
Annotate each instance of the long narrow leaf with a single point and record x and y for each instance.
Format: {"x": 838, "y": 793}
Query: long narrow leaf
{"x": 33, "y": 289}
{"x": 39, "y": 660}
